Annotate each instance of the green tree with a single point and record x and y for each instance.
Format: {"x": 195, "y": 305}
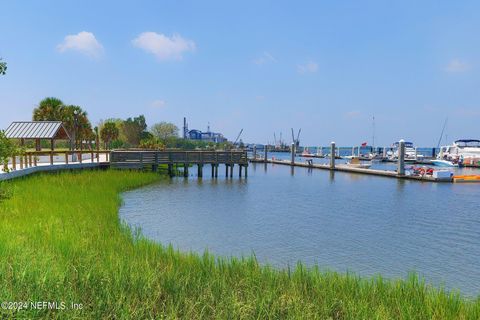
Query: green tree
{"x": 49, "y": 109}
{"x": 3, "y": 67}
{"x": 134, "y": 130}
{"x": 109, "y": 132}
{"x": 164, "y": 130}
{"x": 53, "y": 109}
{"x": 83, "y": 126}
{"x": 7, "y": 150}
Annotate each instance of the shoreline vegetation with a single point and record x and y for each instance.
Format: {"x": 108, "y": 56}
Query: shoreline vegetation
{"x": 61, "y": 241}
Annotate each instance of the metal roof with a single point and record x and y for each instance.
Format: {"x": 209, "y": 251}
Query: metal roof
{"x": 36, "y": 130}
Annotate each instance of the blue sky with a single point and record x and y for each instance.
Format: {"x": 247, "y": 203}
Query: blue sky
{"x": 264, "y": 66}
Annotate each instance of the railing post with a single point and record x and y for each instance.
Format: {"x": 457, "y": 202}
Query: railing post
{"x": 91, "y": 157}
{"x": 51, "y": 157}
{"x": 81, "y": 156}
{"x": 35, "y": 159}
{"x": 21, "y": 162}
{"x": 14, "y": 163}
{"x": 66, "y": 157}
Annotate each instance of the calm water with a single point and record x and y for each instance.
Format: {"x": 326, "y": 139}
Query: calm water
{"x": 365, "y": 224}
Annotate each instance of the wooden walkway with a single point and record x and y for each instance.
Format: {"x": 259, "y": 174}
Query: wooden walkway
{"x": 140, "y": 159}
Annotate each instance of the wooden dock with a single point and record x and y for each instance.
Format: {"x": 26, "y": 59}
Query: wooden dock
{"x": 141, "y": 159}
{"x": 346, "y": 168}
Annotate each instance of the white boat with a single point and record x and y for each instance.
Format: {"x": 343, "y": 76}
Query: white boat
{"x": 443, "y": 163}
{"x": 461, "y": 150}
{"x": 355, "y": 163}
{"x": 411, "y": 153}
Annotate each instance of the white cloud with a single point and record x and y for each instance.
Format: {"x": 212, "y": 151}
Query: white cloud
{"x": 162, "y": 46}
{"x": 457, "y": 66}
{"x": 309, "y": 67}
{"x": 83, "y": 42}
{"x": 158, "y": 104}
{"x": 264, "y": 58}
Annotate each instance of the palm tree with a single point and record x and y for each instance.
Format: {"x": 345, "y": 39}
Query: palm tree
{"x": 3, "y": 67}
{"x": 49, "y": 109}
{"x": 109, "y": 132}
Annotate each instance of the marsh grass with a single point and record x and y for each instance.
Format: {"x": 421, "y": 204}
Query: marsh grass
{"x": 61, "y": 240}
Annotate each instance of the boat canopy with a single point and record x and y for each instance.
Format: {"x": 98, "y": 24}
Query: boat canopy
{"x": 407, "y": 144}
{"x": 468, "y": 143}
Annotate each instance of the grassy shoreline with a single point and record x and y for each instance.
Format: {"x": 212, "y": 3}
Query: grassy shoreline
{"x": 61, "y": 241}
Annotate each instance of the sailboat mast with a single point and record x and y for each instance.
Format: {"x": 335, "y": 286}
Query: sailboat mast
{"x": 373, "y": 134}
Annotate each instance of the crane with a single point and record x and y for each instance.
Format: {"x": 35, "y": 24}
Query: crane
{"x": 238, "y": 137}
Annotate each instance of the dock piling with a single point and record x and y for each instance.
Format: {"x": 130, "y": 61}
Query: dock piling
{"x": 266, "y": 151}
{"x": 401, "y": 158}
{"x": 293, "y": 153}
{"x": 332, "y": 155}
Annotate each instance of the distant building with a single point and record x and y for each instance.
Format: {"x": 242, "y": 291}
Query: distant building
{"x": 199, "y": 135}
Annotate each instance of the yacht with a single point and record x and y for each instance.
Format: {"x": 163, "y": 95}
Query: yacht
{"x": 411, "y": 153}
{"x": 461, "y": 151}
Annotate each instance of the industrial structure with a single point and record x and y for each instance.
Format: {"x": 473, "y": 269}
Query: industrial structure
{"x": 199, "y": 135}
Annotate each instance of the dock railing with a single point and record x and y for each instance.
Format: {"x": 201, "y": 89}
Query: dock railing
{"x": 142, "y": 158}
{"x": 34, "y": 158}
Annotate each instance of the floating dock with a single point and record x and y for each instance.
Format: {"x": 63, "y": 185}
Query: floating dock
{"x": 347, "y": 168}
{"x": 400, "y": 173}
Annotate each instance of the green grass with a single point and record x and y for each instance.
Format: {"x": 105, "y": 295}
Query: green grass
{"x": 61, "y": 240}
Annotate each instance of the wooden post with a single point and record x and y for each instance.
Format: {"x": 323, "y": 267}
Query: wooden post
{"x": 35, "y": 160}
{"x": 216, "y": 170}
{"x": 21, "y": 162}
{"x": 38, "y": 146}
{"x": 14, "y": 163}
{"x": 240, "y": 170}
{"x": 30, "y": 159}
{"x": 91, "y": 156}
{"x": 81, "y": 156}
{"x": 265, "y": 155}
{"x": 185, "y": 170}
{"x": 213, "y": 170}
{"x": 332, "y": 156}
{"x": 292, "y": 161}
{"x": 200, "y": 170}
{"x": 66, "y": 157}
{"x": 231, "y": 170}
{"x": 401, "y": 158}
{"x": 155, "y": 165}
{"x": 170, "y": 170}
{"x": 246, "y": 170}
{"x": 226, "y": 170}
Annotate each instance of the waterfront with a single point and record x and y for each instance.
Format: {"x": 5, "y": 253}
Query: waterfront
{"x": 344, "y": 222}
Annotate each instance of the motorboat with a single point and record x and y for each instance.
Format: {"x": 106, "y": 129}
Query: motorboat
{"x": 411, "y": 153}
{"x": 306, "y": 153}
{"x": 464, "y": 150}
{"x": 355, "y": 163}
{"x": 443, "y": 163}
